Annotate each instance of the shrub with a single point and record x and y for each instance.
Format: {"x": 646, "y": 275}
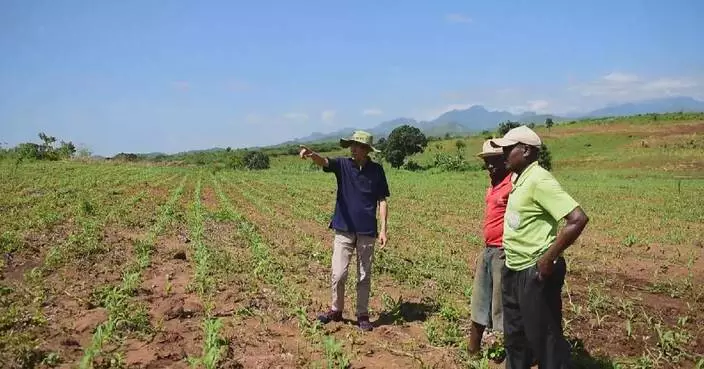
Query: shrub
{"x": 545, "y": 158}
{"x": 412, "y": 166}
{"x": 451, "y": 163}
{"x": 255, "y": 160}
{"x": 507, "y": 126}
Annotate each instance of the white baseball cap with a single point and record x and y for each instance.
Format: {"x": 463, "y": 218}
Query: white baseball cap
{"x": 521, "y": 134}
{"x": 488, "y": 150}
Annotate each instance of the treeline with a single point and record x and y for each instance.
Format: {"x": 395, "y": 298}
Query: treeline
{"x": 224, "y": 158}
{"x": 406, "y": 140}
{"x": 251, "y": 159}
{"x": 48, "y": 149}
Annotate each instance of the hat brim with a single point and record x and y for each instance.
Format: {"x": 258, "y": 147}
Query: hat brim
{"x": 502, "y": 142}
{"x": 487, "y": 154}
{"x": 345, "y": 143}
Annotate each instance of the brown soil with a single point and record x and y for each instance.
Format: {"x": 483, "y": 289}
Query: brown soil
{"x": 625, "y": 277}
{"x": 374, "y": 350}
{"x": 209, "y": 198}
{"x": 72, "y": 317}
{"x": 69, "y": 310}
{"x": 667, "y": 129}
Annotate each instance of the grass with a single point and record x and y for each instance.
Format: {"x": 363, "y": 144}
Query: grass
{"x": 633, "y": 297}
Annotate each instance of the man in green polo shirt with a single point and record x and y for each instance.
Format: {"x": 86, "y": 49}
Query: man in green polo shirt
{"x": 535, "y": 270}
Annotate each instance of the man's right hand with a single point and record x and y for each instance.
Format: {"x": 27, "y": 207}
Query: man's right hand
{"x": 305, "y": 152}
{"x": 308, "y": 153}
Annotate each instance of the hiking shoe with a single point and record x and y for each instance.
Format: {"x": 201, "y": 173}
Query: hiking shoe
{"x": 364, "y": 323}
{"x": 330, "y": 316}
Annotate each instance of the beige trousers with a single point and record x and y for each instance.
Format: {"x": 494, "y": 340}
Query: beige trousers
{"x": 344, "y": 246}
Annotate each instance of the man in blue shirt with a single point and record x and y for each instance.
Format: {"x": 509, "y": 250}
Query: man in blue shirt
{"x": 361, "y": 188}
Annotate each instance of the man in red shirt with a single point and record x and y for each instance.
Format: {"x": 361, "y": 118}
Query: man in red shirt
{"x": 486, "y": 292}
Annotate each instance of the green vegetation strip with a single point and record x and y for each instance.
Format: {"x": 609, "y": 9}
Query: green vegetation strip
{"x": 122, "y": 313}
{"x": 270, "y": 267}
{"x": 205, "y": 286}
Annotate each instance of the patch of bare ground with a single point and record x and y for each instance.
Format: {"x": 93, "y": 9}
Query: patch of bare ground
{"x": 628, "y": 278}
{"x": 264, "y": 343}
{"x": 209, "y": 198}
{"x": 642, "y": 262}
{"x": 70, "y": 311}
{"x": 666, "y": 129}
{"x": 374, "y": 349}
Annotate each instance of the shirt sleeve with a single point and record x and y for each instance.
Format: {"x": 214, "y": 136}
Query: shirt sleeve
{"x": 333, "y": 166}
{"x": 551, "y": 197}
{"x": 383, "y": 189}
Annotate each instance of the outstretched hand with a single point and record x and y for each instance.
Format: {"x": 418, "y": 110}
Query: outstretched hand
{"x": 305, "y": 152}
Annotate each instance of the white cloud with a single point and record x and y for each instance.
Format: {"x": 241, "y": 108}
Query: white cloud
{"x": 457, "y": 18}
{"x": 328, "y": 115}
{"x": 616, "y": 77}
{"x": 535, "y": 106}
{"x": 668, "y": 84}
{"x": 538, "y": 106}
{"x": 372, "y": 111}
{"x": 618, "y": 87}
{"x": 571, "y": 97}
{"x": 299, "y": 117}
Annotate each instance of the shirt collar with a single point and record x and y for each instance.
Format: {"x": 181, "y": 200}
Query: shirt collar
{"x": 515, "y": 177}
{"x": 354, "y": 164}
{"x": 506, "y": 181}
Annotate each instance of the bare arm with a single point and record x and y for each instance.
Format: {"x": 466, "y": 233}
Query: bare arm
{"x": 317, "y": 159}
{"x": 383, "y": 214}
{"x": 576, "y": 221}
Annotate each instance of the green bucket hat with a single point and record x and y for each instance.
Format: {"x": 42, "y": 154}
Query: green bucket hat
{"x": 362, "y": 137}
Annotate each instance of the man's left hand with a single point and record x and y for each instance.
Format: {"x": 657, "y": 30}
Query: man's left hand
{"x": 383, "y": 239}
{"x": 545, "y": 265}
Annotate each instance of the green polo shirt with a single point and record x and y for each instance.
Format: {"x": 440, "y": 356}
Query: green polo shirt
{"x": 536, "y": 204}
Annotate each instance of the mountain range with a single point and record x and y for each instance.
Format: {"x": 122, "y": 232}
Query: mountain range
{"x": 477, "y": 118}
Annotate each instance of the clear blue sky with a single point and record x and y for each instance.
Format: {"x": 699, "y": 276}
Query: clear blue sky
{"x": 140, "y": 76}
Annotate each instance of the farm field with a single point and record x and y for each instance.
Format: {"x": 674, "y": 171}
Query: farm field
{"x": 109, "y": 265}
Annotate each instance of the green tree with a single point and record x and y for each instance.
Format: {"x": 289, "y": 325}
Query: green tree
{"x": 66, "y": 150}
{"x": 381, "y": 144}
{"x": 255, "y": 160}
{"x": 402, "y": 142}
{"x": 507, "y": 126}
{"x": 545, "y": 158}
{"x": 549, "y": 123}
{"x": 48, "y": 140}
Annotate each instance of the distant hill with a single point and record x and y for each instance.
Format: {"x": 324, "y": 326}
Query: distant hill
{"x": 475, "y": 119}
{"x": 664, "y": 105}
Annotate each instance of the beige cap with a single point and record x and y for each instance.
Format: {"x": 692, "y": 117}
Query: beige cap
{"x": 488, "y": 150}
{"x": 521, "y": 134}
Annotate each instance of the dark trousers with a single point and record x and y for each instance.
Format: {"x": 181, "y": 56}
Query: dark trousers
{"x": 533, "y": 318}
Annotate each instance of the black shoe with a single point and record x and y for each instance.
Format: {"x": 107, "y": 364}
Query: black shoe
{"x": 330, "y": 315}
{"x": 364, "y": 323}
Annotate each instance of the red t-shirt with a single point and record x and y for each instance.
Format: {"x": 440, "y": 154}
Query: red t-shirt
{"x": 496, "y": 200}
